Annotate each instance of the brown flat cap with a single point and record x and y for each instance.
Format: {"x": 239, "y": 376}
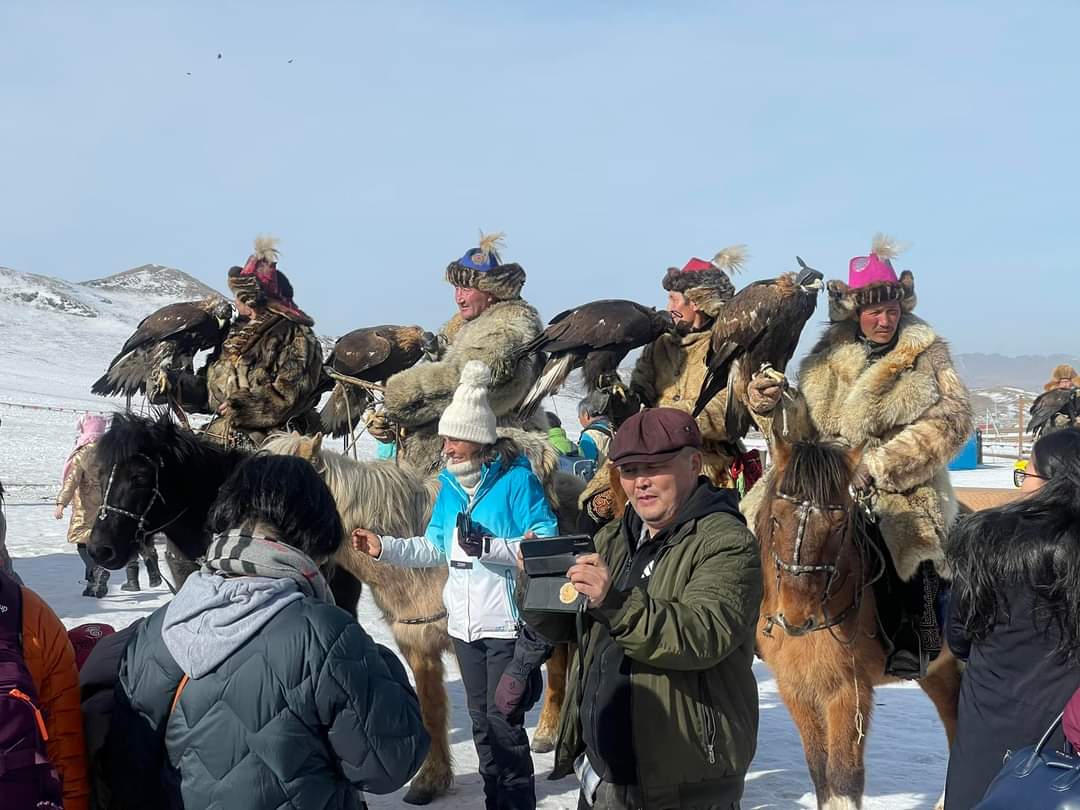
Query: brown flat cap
{"x": 653, "y": 436}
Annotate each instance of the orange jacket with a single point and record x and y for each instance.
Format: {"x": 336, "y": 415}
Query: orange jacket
{"x": 51, "y": 662}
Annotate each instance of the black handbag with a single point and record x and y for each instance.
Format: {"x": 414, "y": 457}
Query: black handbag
{"x": 1035, "y": 779}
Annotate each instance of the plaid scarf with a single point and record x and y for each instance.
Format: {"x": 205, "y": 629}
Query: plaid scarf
{"x": 247, "y": 552}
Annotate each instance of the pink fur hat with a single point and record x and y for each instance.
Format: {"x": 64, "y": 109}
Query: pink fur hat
{"x": 871, "y": 280}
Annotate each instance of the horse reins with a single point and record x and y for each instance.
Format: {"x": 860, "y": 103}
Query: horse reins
{"x": 804, "y": 508}
{"x": 141, "y": 532}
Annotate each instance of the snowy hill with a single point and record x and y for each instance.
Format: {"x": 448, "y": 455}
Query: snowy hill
{"x": 57, "y": 337}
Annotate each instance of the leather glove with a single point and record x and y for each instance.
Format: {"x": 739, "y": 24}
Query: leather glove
{"x": 380, "y": 427}
{"x": 471, "y": 537}
{"x": 861, "y": 479}
{"x": 763, "y": 394}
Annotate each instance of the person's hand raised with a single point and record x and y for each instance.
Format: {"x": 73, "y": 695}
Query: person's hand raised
{"x": 367, "y": 542}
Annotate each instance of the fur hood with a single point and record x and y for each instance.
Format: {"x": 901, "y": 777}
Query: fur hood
{"x": 909, "y": 412}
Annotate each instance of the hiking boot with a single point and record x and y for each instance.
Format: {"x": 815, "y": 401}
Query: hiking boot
{"x": 153, "y": 573}
{"x": 99, "y": 582}
{"x": 89, "y": 589}
{"x": 132, "y": 571}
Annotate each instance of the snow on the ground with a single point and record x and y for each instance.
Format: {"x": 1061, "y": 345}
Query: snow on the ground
{"x": 49, "y": 360}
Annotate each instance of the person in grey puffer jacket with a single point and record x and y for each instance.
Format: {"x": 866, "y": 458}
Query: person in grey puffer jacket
{"x": 251, "y": 689}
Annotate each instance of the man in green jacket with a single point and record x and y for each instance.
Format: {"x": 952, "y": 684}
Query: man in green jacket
{"x": 662, "y": 711}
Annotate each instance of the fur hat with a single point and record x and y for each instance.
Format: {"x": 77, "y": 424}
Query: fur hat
{"x": 482, "y": 269}
{"x": 260, "y": 284}
{"x": 469, "y": 416}
{"x": 871, "y": 280}
{"x": 713, "y": 278}
{"x": 1062, "y": 372}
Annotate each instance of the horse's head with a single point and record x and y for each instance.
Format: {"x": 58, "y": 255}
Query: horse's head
{"x": 131, "y": 460}
{"x": 807, "y": 525}
{"x": 309, "y": 448}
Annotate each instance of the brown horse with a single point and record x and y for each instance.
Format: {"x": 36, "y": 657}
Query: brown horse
{"x": 818, "y": 630}
{"x": 395, "y": 499}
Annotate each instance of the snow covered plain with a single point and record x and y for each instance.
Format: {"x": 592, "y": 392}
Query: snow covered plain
{"x": 48, "y": 359}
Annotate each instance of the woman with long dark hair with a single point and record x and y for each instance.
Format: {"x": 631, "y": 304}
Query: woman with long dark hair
{"x": 1015, "y": 616}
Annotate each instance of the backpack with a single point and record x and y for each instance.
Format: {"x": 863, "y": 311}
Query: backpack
{"x": 28, "y": 779}
{"x": 583, "y": 468}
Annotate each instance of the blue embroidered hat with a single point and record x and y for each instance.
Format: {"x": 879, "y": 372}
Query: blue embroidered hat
{"x": 481, "y": 268}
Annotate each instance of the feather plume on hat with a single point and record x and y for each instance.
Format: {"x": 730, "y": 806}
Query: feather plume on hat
{"x": 885, "y": 247}
{"x": 731, "y": 259}
{"x": 266, "y": 248}
{"x": 490, "y": 244}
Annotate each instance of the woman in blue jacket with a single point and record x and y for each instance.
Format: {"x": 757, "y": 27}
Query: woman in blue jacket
{"x": 490, "y": 500}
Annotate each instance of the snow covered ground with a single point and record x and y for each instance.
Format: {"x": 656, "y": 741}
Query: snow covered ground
{"x": 53, "y": 370}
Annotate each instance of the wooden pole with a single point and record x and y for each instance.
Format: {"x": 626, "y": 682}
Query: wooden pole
{"x": 1020, "y": 435}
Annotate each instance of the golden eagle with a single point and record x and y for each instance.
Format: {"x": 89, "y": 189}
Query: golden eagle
{"x": 594, "y": 337}
{"x": 1056, "y": 401}
{"x": 166, "y": 339}
{"x": 372, "y": 354}
{"x": 760, "y": 324}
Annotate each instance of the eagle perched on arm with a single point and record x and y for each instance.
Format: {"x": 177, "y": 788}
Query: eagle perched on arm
{"x": 166, "y": 339}
{"x": 760, "y": 324}
{"x": 373, "y": 355}
{"x": 594, "y": 337}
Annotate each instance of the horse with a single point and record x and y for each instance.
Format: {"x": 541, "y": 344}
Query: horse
{"x": 375, "y": 495}
{"x": 819, "y": 630}
{"x": 158, "y": 477}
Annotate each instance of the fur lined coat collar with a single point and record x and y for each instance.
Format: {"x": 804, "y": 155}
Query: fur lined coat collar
{"x": 415, "y": 398}
{"x": 910, "y": 412}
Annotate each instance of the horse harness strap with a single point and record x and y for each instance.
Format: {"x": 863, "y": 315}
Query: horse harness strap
{"x": 141, "y": 531}
{"x": 442, "y": 614}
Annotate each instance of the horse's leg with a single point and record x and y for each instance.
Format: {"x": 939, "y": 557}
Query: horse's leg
{"x": 810, "y": 722}
{"x": 436, "y": 774}
{"x": 942, "y": 686}
{"x": 848, "y": 718}
{"x": 346, "y": 589}
{"x": 554, "y": 691}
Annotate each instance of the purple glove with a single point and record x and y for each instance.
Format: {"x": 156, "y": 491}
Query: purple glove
{"x": 508, "y": 694}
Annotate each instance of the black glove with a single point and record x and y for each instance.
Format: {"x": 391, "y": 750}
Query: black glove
{"x": 471, "y": 537}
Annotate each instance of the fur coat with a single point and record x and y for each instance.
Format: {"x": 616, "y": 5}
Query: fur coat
{"x": 909, "y": 411}
{"x": 415, "y": 398}
{"x": 268, "y": 372}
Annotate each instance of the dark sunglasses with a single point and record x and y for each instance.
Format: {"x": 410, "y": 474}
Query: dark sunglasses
{"x": 1020, "y": 475}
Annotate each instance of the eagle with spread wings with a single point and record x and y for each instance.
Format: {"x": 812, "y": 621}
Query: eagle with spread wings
{"x": 370, "y": 355}
{"x": 594, "y": 337}
{"x": 761, "y": 324}
{"x": 168, "y": 338}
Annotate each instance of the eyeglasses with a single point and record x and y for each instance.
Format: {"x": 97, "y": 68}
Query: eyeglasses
{"x": 1020, "y": 475}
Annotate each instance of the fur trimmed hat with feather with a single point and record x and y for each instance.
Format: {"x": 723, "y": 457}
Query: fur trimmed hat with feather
{"x": 1062, "y": 372}
{"x": 260, "y": 284}
{"x": 871, "y": 280}
{"x": 482, "y": 269}
{"x": 711, "y": 279}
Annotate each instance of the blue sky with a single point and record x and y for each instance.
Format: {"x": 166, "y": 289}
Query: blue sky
{"x": 609, "y": 140}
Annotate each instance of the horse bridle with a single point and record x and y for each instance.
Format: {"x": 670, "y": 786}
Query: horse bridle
{"x": 803, "y": 509}
{"x": 141, "y": 532}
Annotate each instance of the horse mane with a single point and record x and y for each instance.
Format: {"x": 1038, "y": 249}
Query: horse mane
{"x": 129, "y": 436}
{"x": 816, "y": 472}
{"x": 377, "y": 495}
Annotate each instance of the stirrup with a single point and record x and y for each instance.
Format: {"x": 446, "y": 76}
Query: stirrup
{"x": 906, "y": 664}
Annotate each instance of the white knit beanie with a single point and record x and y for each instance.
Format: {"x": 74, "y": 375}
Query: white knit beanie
{"x": 468, "y": 416}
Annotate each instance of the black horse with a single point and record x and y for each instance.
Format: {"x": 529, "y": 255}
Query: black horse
{"x": 157, "y": 477}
